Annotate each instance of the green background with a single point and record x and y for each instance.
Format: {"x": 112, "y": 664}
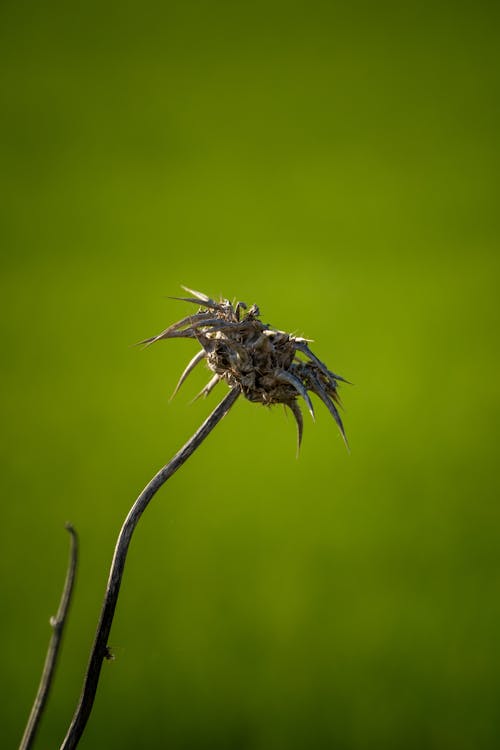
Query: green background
{"x": 338, "y": 165}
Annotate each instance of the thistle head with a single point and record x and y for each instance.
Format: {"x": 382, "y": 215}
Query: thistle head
{"x": 267, "y": 365}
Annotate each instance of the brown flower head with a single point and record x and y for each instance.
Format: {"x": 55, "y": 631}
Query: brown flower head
{"x": 267, "y": 365}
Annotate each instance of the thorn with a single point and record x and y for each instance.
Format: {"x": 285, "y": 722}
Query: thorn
{"x": 287, "y": 377}
{"x": 208, "y": 388}
{"x": 199, "y": 295}
{"x": 320, "y": 391}
{"x": 190, "y": 367}
{"x": 302, "y": 347}
{"x": 173, "y": 330}
{"x": 196, "y": 301}
{"x": 295, "y": 409}
{"x": 187, "y": 333}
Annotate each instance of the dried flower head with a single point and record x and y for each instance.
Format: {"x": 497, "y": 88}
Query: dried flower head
{"x": 267, "y": 365}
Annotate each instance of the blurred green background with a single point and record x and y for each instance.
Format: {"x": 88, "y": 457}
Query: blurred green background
{"x": 338, "y": 165}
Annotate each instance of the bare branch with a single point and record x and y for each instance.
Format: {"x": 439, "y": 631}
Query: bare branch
{"x": 57, "y": 624}
{"x": 100, "y": 648}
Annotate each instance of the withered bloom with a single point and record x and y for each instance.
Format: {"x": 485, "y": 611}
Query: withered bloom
{"x": 267, "y": 365}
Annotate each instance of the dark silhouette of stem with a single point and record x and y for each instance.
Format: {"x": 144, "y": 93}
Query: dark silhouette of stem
{"x": 100, "y": 649}
{"x": 57, "y": 624}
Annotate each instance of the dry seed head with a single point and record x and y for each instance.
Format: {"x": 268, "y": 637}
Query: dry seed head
{"x": 267, "y": 365}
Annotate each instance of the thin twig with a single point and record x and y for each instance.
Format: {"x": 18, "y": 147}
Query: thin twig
{"x": 57, "y": 624}
{"x": 100, "y": 648}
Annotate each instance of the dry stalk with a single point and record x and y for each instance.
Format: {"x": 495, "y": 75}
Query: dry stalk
{"x": 269, "y": 367}
{"x": 100, "y": 649}
{"x": 57, "y": 624}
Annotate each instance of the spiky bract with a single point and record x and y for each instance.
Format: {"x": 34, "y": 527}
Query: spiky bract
{"x": 267, "y": 365}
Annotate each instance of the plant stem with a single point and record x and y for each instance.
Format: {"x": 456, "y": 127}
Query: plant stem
{"x": 57, "y": 624}
{"x": 100, "y": 648}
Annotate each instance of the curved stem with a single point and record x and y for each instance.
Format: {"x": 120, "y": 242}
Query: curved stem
{"x": 100, "y": 648}
{"x": 57, "y": 624}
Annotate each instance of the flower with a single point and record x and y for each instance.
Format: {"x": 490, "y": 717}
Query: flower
{"x": 267, "y": 365}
